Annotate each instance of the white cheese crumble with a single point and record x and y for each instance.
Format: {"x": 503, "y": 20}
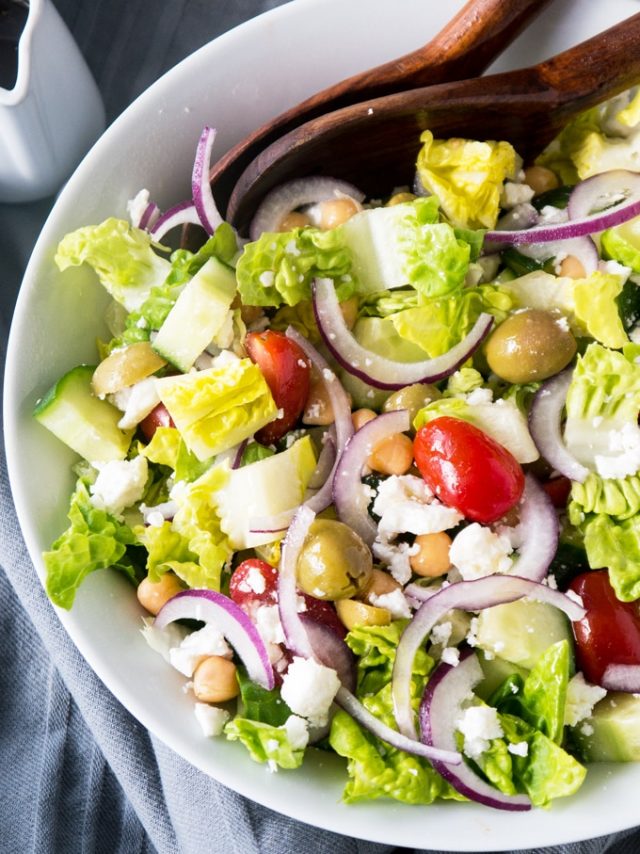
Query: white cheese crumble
{"x": 441, "y": 633}
{"x": 159, "y": 513}
{"x": 615, "y": 268}
{"x": 624, "y": 460}
{"x": 478, "y": 725}
{"x": 451, "y": 655}
{"x": 297, "y": 730}
{"x": 267, "y": 621}
{"x": 136, "y": 402}
{"x": 477, "y": 551}
{"x": 396, "y": 556}
{"x": 266, "y": 278}
{"x": 196, "y": 647}
{"x": 395, "y": 602}
{"x": 253, "y": 581}
{"x": 515, "y": 194}
{"x": 308, "y": 688}
{"x": 211, "y": 719}
{"x": 120, "y": 483}
{"x": 519, "y": 748}
{"x": 163, "y": 640}
{"x": 581, "y": 698}
{"x": 479, "y": 396}
{"x": 405, "y": 504}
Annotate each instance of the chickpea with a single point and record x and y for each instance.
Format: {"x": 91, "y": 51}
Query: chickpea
{"x": 400, "y": 199}
{"x": 349, "y": 309}
{"x": 292, "y": 220}
{"x": 318, "y": 409}
{"x": 335, "y": 212}
{"x": 152, "y": 595}
{"x": 540, "y": 179}
{"x": 353, "y": 613}
{"x": 334, "y": 562}
{"x": 432, "y": 556}
{"x": 572, "y": 267}
{"x": 530, "y": 345}
{"x": 412, "y": 398}
{"x": 215, "y": 680}
{"x": 361, "y": 417}
{"x": 394, "y": 455}
{"x": 381, "y": 583}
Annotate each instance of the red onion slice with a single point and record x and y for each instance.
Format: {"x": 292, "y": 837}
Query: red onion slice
{"x": 466, "y": 596}
{"x": 540, "y": 532}
{"x": 582, "y": 248}
{"x": 622, "y": 677}
{"x": 377, "y": 370}
{"x": 235, "y": 625}
{"x": 446, "y": 691}
{"x": 329, "y": 649}
{"x": 200, "y": 187}
{"x": 294, "y": 631}
{"x": 326, "y": 460}
{"x": 237, "y": 460}
{"x": 583, "y": 219}
{"x": 149, "y": 216}
{"x": 287, "y": 197}
{"x": 349, "y": 494}
{"x": 545, "y": 426}
{"x": 346, "y": 700}
{"x": 180, "y": 214}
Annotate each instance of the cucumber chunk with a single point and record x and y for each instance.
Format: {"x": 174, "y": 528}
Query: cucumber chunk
{"x": 84, "y": 422}
{"x": 197, "y": 316}
{"x": 612, "y": 732}
{"x": 521, "y": 631}
{"x": 496, "y": 670}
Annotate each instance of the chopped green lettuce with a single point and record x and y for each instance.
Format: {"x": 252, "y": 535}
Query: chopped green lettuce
{"x": 120, "y": 254}
{"x": 467, "y": 177}
{"x": 94, "y": 540}
{"x": 617, "y": 497}
{"x": 217, "y": 408}
{"x": 167, "y": 448}
{"x": 615, "y": 545}
{"x": 622, "y": 244}
{"x": 260, "y": 704}
{"x": 265, "y": 743}
{"x": 278, "y": 268}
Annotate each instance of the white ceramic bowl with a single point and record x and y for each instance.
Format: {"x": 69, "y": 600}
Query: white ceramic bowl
{"x": 234, "y": 84}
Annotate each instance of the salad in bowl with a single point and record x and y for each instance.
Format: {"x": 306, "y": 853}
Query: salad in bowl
{"x": 372, "y": 471}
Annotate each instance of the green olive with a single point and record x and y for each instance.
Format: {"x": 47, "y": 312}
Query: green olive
{"x": 334, "y": 563}
{"x": 412, "y": 398}
{"x": 530, "y": 345}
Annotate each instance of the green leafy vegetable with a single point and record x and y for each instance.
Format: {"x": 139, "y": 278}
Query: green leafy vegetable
{"x": 259, "y": 704}
{"x": 265, "y": 743}
{"x": 615, "y": 545}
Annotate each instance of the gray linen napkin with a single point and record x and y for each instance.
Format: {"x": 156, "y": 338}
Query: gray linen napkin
{"x": 77, "y": 772}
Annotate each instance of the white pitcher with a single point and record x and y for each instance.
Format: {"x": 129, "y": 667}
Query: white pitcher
{"x": 53, "y": 113}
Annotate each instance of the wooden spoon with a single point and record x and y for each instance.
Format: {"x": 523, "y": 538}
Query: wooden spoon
{"x": 375, "y": 144}
{"x": 479, "y": 33}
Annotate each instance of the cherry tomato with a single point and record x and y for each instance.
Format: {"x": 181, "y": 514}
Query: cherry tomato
{"x": 286, "y": 370}
{"x": 467, "y": 469}
{"x": 254, "y": 582}
{"x": 324, "y": 613}
{"x": 609, "y": 633}
{"x": 558, "y": 489}
{"x": 158, "y": 417}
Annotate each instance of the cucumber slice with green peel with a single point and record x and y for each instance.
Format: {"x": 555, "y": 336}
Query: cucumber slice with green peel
{"x": 521, "y": 631}
{"x": 197, "y": 316}
{"x": 496, "y": 670}
{"x": 612, "y": 732}
{"x": 84, "y": 422}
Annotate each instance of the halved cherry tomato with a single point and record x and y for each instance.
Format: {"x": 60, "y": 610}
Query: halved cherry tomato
{"x": 467, "y": 469}
{"x": 286, "y": 370}
{"x": 158, "y": 417}
{"x": 609, "y": 633}
{"x": 558, "y": 489}
{"x": 254, "y": 581}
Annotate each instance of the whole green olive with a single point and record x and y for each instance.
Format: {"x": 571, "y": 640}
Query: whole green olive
{"x": 412, "y": 398}
{"x": 530, "y": 345}
{"x": 334, "y": 563}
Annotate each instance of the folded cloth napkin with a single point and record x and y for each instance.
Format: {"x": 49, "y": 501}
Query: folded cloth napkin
{"x": 77, "y": 772}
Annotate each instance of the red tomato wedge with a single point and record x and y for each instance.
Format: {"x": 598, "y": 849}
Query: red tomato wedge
{"x": 286, "y": 369}
{"x": 609, "y": 633}
{"x": 467, "y": 469}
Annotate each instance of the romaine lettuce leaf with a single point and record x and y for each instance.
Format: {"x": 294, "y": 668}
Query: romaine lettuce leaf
{"x": 615, "y": 545}
{"x": 259, "y": 704}
{"x": 622, "y": 244}
{"x": 265, "y": 743}
{"x": 94, "y": 540}
{"x": 467, "y": 177}
{"x": 279, "y": 267}
{"x": 617, "y": 497}
{"x": 167, "y": 448}
{"x": 122, "y": 257}
{"x": 217, "y": 408}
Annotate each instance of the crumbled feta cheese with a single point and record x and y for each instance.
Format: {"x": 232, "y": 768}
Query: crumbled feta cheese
{"x": 395, "y": 602}
{"x": 451, "y": 655}
{"x": 479, "y": 396}
{"x": 267, "y": 278}
{"x": 308, "y": 688}
{"x": 400, "y": 488}
{"x": 441, "y": 633}
{"x": 624, "y": 445}
{"x": 477, "y": 551}
{"x": 292, "y": 248}
{"x": 519, "y": 748}
{"x": 515, "y": 194}
{"x": 120, "y": 483}
{"x": 472, "y": 634}
{"x": 550, "y": 215}
{"x": 405, "y": 504}
{"x": 297, "y": 730}
{"x": 197, "y": 646}
{"x": 581, "y": 698}
{"x": 478, "y": 725}
{"x": 136, "y": 402}
{"x": 267, "y": 621}
{"x": 397, "y": 557}
{"x": 156, "y": 515}
{"x": 615, "y": 268}
{"x": 162, "y": 640}
{"x": 211, "y": 718}
{"x": 254, "y": 581}
{"x": 586, "y": 729}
